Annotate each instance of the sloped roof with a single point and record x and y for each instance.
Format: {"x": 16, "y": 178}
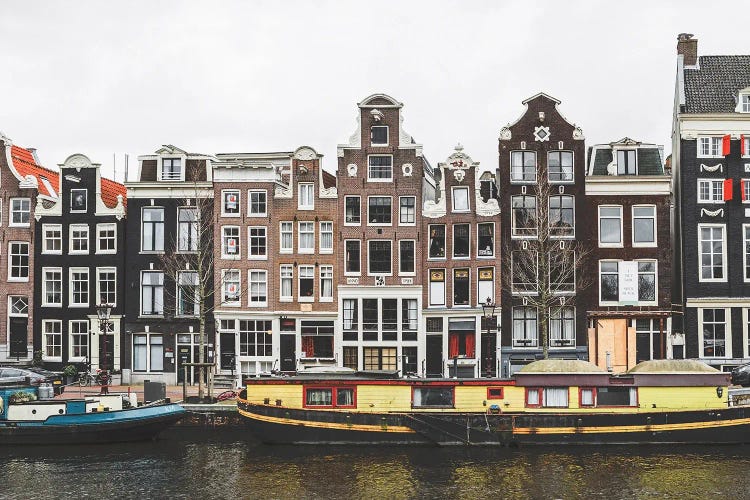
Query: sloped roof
{"x": 712, "y": 87}
{"x": 560, "y": 366}
{"x": 25, "y": 164}
{"x": 672, "y": 366}
{"x": 649, "y": 160}
{"x": 329, "y": 180}
{"x": 110, "y": 190}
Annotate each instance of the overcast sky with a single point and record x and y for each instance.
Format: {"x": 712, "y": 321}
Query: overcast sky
{"x": 102, "y": 77}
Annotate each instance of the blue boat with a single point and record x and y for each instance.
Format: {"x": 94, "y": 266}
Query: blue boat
{"x": 109, "y": 418}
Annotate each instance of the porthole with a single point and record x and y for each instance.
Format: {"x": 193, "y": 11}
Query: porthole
{"x": 60, "y": 411}
{"x": 33, "y": 412}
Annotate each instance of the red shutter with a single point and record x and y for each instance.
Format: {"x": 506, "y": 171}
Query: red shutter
{"x": 452, "y": 345}
{"x": 727, "y": 189}
{"x": 726, "y": 145}
{"x": 742, "y": 145}
{"x": 742, "y": 189}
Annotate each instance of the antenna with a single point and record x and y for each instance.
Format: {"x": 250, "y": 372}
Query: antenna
{"x": 114, "y": 166}
{"x": 126, "y": 167}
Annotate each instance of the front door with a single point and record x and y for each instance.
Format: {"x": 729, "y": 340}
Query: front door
{"x": 434, "y": 360}
{"x": 18, "y": 342}
{"x": 489, "y": 355}
{"x": 288, "y": 351}
{"x": 227, "y": 352}
{"x": 183, "y": 356}
{"x": 106, "y": 358}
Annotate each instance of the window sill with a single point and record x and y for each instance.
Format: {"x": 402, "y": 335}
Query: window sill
{"x": 524, "y": 236}
{"x": 486, "y": 256}
{"x": 286, "y": 299}
{"x": 231, "y": 304}
{"x": 306, "y": 299}
{"x": 326, "y": 299}
{"x": 713, "y": 280}
{"x": 464, "y": 257}
{"x": 78, "y": 253}
{"x": 379, "y": 224}
{"x": 327, "y": 251}
{"x": 106, "y": 252}
{"x": 407, "y": 224}
{"x": 306, "y": 251}
{"x": 257, "y": 215}
{"x": 58, "y": 252}
{"x": 18, "y": 280}
{"x": 286, "y": 252}
{"x": 436, "y": 258}
{"x": 611, "y": 245}
{"x": 258, "y": 304}
{"x": 265, "y": 257}
{"x": 380, "y": 180}
{"x": 230, "y": 257}
{"x": 352, "y": 224}
{"x": 151, "y": 316}
{"x": 52, "y": 359}
{"x": 78, "y": 306}
{"x": 151, "y": 252}
{"x": 306, "y": 208}
{"x": 19, "y": 225}
{"x": 383, "y": 275}
{"x": 51, "y": 305}
{"x": 231, "y": 215}
{"x": 515, "y": 182}
{"x": 645, "y": 245}
{"x": 711, "y": 202}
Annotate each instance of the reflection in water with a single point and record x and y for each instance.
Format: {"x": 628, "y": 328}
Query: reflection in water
{"x": 232, "y": 467}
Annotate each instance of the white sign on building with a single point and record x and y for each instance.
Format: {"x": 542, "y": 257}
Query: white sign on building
{"x": 628, "y": 274}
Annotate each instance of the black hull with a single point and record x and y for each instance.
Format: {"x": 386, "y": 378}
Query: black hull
{"x": 278, "y": 425}
{"x": 115, "y": 432}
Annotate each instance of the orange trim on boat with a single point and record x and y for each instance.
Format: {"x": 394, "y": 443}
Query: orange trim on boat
{"x": 328, "y": 425}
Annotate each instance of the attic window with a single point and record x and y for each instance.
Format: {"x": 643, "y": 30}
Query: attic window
{"x": 171, "y": 169}
{"x": 626, "y": 162}
{"x": 745, "y": 103}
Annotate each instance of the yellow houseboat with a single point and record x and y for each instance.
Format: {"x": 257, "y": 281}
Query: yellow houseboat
{"x": 546, "y": 402}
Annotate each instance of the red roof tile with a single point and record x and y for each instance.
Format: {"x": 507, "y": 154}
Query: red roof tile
{"x": 110, "y": 190}
{"x": 23, "y": 162}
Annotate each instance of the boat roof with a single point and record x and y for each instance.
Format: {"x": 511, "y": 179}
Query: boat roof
{"x": 557, "y": 366}
{"x": 672, "y": 366}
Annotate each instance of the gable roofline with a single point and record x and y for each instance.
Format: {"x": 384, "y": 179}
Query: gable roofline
{"x": 366, "y": 102}
{"x": 526, "y": 102}
{"x": 541, "y": 94}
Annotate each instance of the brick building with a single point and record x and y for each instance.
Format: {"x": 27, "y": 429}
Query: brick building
{"x": 24, "y": 184}
{"x": 460, "y": 267}
{"x": 629, "y": 192}
{"x": 382, "y": 178}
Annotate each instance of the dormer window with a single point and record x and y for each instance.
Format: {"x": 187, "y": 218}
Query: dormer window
{"x": 626, "y": 162}
{"x": 379, "y": 135}
{"x": 709, "y": 147}
{"x": 460, "y": 199}
{"x": 171, "y": 169}
{"x": 745, "y": 103}
{"x": 78, "y": 202}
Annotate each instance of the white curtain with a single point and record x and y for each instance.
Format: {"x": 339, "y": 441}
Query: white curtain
{"x": 556, "y": 397}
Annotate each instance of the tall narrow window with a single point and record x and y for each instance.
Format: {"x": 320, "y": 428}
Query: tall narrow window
{"x": 257, "y": 244}
{"x": 562, "y": 327}
{"x": 230, "y": 206}
{"x": 79, "y": 239}
{"x": 326, "y": 283}
{"x": 486, "y": 284}
{"x": 746, "y": 238}
{"x": 20, "y": 211}
{"x": 352, "y": 257}
{"x": 714, "y": 323}
{"x": 306, "y": 283}
{"x": 523, "y": 166}
{"x": 379, "y": 210}
{"x": 78, "y": 200}
{"x": 18, "y": 261}
{"x": 712, "y": 253}
{"x": 380, "y": 168}
{"x": 79, "y": 339}
{"x": 409, "y": 314}
{"x": 326, "y": 237}
{"x": 461, "y": 240}
{"x": 437, "y": 241}
{"x": 51, "y": 287}
{"x": 370, "y": 315}
{"x": 647, "y": 281}
{"x": 560, "y": 166}
{"x": 626, "y": 162}
{"x": 524, "y": 219}
{"x": 353, "y": 210}
{"x": 609, "y": 281}
{"x": 286, "y": 243}
{"x": 461, "y": 287}
{"x": 152, "y": 293}
{"x": 230, "y": 242}
{"x": 256, "y": 203}
{"x": 407, "y": 209}
{"x": 231, "y": 287}
{"x": 406, "y": 257}
{"x": 79, "y": 286}
{"x": 287, "y": 278}
{"x": 437, "y": 287}
{"x": 106, "y": 238}
{"x": 460, "y": 195}
{"x": 187, "y": 229}
{"x": 171, "y": 169}
{"x": 379, "y": 253}
{"x": 561, "y": 216}
{"x": 306, "y": 237}
{"x": 52, "y": 238}
{"x": 188, "y": 301}
{"x": 107, "y": 286}
{"x": 644, "y": 225}
{"x": 52, "y": 338}
{"x": 306, "y": 196}
{"x": 525, "y": 333}
{"x": 610, "y": 226}
{"x": 486, "y": 239}
{"x": 152, "y": 230}
{"x": 351, "y": 317}
{"x": 258, "y": 287}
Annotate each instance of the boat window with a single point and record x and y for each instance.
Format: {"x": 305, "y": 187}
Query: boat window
{"x": 345, "y": 397}
{"x": 533, "y": 396}
{"x": 330, "y": 396}
{"x": 587, "y": 397}
{"x": 441, "y": 397}
{"x": 319, "y": 397}
{"x": 616, "y": 396}
{"x": 556, "y": 397}
{"x": 494, "y": 393}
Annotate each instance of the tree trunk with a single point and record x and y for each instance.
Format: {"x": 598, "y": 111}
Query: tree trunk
{"x": 201, "y": 352}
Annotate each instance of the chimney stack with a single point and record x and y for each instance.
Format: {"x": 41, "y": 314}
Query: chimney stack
{"x": 33, "y": 153}
{"x": 688, "y": 47}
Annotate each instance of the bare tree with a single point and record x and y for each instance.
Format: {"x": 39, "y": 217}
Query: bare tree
{"x": 188, "y": 262}
{"x": 546, "y": 265}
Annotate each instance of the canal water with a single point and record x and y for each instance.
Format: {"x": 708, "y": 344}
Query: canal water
{"x": 234, "y": 467}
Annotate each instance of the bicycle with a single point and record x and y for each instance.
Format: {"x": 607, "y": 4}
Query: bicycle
{"x": 226, "y": 395}
{"x": 100, "y": 377}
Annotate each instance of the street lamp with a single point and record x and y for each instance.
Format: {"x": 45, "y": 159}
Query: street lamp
{"x": 489, "y": 312}
{"x": 103, "y": 311}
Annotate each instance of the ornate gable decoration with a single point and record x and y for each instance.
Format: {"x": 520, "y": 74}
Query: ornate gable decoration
{"x": 541, "y": 134}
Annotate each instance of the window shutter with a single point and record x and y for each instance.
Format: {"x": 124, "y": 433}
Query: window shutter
{"x": 742, "y": 145}
{"x": 727, "y": 189}
{"x": 742, "y": 189}
{"x": 726, "y": 144}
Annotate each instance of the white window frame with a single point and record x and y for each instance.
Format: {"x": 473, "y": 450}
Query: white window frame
{"x": 250, "y": 193}
{"x": 453, "y": 241}
{"x": 99, "y": 239}
{"x": 379, "y": 179}
{"x": 431, "y": 296}
{"x": 491, "y": 256}
{"x": 602, "y": 244}
{"x": 711, "y": 200}
{"x": 286, "y": 273}
{"x": 454, "y": 189}
{"x": 148, "y": 346}
{"x": 712, "y": 140}
{"x": 616, "y": 154}
{"x": 353, "y": 273}
{"x": 152, "y": 224}
{"x": 193, "y": 228}
{"x": 45, "y": 270}
{"x": 178, "y": 294}
{"x": 453, "y": 286}
{"x": 86, "y": 195}
{"x": 58, "y": 334}
{"x": 71, "y": 335}
{"x": 140, "y": 292}
{"x": 300, "y": 248}
{"x": 359, "y": 200}
{"x": 46, "y": 238}
{"x": 599, "y": 281}
{"x": 172, "y": 178}
{"x": 300, "y": 269}
{"x": 326, "y": 274}
{"x": 250, "y": 255}
{"x": 11, "y": 211}
{"x": 747, "y": 147}
{"x": 306, "y": 186}
{"x": 414, "y": 259}
{"x": 290, "y": 225}
{"x": 514, "y": 229}
{"x": 656, "y": 282}
{"x": 78, "y": 227}
{"x": 71, "y": 287}
{"x": 727, "y": 333}
{"x": 250, "y": 282}
{"x": 11, "y": 278}
{"x": 99, "y": 272}
{"x": 572, "y": 166}
{"x": 723, "y": 251}
{"x": 379, "y": 224}
{"x": 387, "y": 136}
{"x": 225, "y": 281}
{"x": 224, "y": 213}
{"x": 327, "y": 249}
{"x": 225, "y": 239}
{"x": 414, "y": 215}
{"x": 369, "y": 258}
{"x": 521, "y": 180}
{"x": 745, "y": 251}
{"x": 481, "y": 296}
{"x": 632, "y": 226}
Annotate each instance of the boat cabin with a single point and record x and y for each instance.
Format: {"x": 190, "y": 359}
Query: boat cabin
{"x": 22, "y": 403}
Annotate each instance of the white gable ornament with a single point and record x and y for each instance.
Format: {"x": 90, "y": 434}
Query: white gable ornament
{"x": 712, "y": 213}
{"x": 407, "y": 169}
{"x": 351, "y": 169}
{"x": 459, "y": 175}
{"x": 541, "y": 134}
{"x": 706, "y": 168}
{"x": 578, "y": 134}
{"x": 505, "y": 134}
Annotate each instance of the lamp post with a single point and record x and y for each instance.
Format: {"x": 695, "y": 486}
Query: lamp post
{"x": 103, "y": 311}
{"x": 488, "y": 307}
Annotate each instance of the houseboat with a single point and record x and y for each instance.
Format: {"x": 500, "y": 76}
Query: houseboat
{"x": 548, "y": 402}
{"x": 26, "y": 419}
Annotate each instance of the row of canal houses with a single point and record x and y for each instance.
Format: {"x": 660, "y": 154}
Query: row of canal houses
{"x": 386, "y": 264}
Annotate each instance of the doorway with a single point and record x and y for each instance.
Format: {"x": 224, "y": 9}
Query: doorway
{"x": 434, "y": 362}
{"x": 288, "y": 352}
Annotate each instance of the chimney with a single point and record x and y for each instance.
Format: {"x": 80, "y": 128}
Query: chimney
{"x": 33, "y": 153}
{"x": 688, "y": 47}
